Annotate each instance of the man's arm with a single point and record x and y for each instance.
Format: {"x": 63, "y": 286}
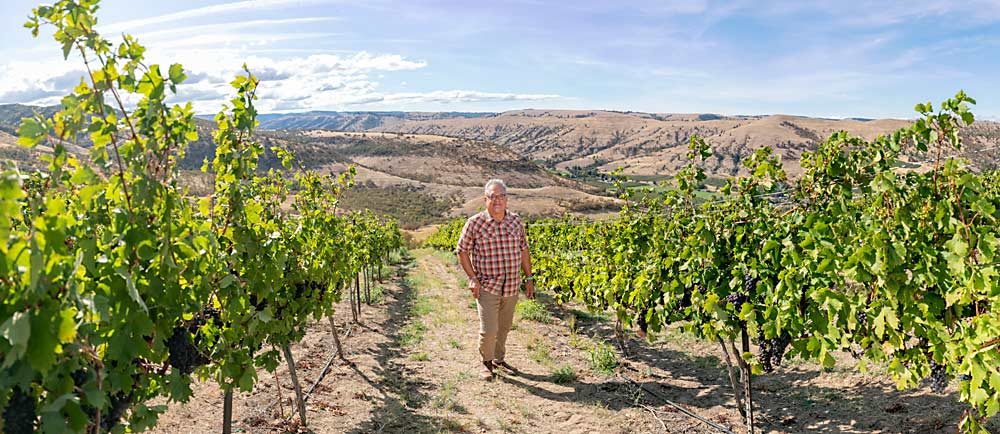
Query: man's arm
{"x": 529, "y": 284}
{"x": 466, "y": 240}
{"x": 463, "y": 258}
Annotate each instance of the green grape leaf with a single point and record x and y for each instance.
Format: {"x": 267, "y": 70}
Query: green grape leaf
{"x": 31, "y": 132}
{"x": 176, "y": 73}
{"x": 130, "y": 285}
{"x": 42, "y": 351}
{"x": 67, "y": 325}
{"x": 17, "y": 330}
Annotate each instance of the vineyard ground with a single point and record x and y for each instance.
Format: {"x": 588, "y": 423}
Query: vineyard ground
{"x": 415, "y": 364}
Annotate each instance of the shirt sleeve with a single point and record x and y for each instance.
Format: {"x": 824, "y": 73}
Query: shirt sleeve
{"x": 467, "y": 239}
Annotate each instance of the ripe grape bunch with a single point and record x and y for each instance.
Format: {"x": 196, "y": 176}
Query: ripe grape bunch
{"x": 119, "y": 403}
{"x": 643, "y": 326}
{"x": 183, "y": 343}
{"x": 772, "y": 351}
{"x": 19, "y": 416}
{"x": 737, "y": 299}
{"x": 939, "y": 377}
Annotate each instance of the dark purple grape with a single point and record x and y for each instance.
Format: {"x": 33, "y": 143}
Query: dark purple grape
{"x": 772, "y": 351}
{"x": 938, "y": 380}
{"x": 737, "y": 299}
{"x": 119, "y": 403}
{"x": 183, "y": 354}
{"x": 20, "y": 415}
{"x": 862, "y": 317}
{"x": 80, "y": 377}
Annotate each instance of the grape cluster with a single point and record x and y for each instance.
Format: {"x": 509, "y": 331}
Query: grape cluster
{"x": 183, "y": 342}
{"x": 208, "y": 313}
{"x": 119, "y": 403}
{"x": 737, "y": 299}
{"x": 641, "y": 322}
{"x": 685, "y": 300}
{"x": 939, "y": 377}
{"x": 862, "y": 317}
{"x": 183, "y": 354}
{"x": 258, "y": 304}
{"x": 20, "y": 414}
{"x": 750, "y": 284}
{"x": 772, "y": 351}
{"x": 80, "y": 377}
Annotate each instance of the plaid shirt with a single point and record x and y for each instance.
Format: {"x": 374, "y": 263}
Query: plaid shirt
{"x": 495, "y": 249}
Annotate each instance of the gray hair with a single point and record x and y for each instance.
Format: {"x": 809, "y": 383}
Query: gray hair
{"x": 493, "y": 182}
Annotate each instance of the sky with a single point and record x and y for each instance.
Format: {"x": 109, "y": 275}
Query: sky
{"x": 834, "y": 58}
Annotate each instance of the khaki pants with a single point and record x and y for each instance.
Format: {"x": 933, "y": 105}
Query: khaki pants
{"x": 496, "y": 314}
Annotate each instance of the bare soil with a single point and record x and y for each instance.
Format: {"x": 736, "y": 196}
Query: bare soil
{"x": 414, "y": 369}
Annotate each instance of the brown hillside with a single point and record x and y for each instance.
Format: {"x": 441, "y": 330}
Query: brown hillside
{"x": 448, "y": 173}
{"x": 654, "y": 144}
{"x": 437, "y": 159}
{"x": 419, "y": 179}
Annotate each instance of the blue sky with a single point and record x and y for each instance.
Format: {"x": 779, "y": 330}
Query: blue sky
{"x": 822, "y": 58}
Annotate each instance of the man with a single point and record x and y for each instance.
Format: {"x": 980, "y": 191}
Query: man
{"x": 493, "y": 250}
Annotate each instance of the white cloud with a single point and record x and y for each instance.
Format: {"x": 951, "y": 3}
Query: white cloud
{"x": 40, "y": 83}
{"x": 319, "y": 81}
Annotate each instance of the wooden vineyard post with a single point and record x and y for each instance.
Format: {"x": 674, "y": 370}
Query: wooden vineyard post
{"x": 227, "y": 411}
{"x": 746, "y": 374}
{"x": 368, "y": 285}
{"x": 299, "y": 402}
{"x": 737, "y": 392}
{"x": 336, "y": 339}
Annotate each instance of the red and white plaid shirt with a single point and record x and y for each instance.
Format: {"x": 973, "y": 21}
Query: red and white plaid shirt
{"x": 495, "y": 248}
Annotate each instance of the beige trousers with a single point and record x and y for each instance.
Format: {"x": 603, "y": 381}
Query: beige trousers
{"x": 496, "y": 315}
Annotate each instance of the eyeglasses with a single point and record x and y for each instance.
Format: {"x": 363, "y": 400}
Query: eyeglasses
{"x": 498, "y": 196}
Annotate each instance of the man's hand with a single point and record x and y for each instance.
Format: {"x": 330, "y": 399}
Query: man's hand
{"x": 474, "y": 287}
{"x": 529, "y": 289}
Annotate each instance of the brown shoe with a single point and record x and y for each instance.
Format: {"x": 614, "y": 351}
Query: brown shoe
{"x": 487, "y": 372}
{"x": 505, "y": 365}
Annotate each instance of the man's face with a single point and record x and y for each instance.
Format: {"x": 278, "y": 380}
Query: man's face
{"x": 496, "y": 200}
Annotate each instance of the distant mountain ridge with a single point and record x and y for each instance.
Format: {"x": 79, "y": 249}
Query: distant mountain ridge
{"x": 419, "y": 179}
{"x": 643, "y": 144}
{"x": 651, "y": 145}
{"x": 354, "y": 121}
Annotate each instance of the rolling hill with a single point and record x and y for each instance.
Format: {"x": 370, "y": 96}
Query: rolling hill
{"x": 424, "y": 166}
{"x": 644, "y": 144}
{"x": 419, "y": 179}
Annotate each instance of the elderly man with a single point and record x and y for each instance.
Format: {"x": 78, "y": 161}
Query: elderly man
{"x": 493, "y": 250}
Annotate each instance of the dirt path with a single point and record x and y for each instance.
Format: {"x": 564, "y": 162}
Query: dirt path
{"x": 447, "y": 359}
{"x": 414, "y": 367}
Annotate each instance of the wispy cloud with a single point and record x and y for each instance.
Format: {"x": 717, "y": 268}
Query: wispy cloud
{"x": 248, "y": 5}
{"x": 453, "y": 96}
{"x": 823, "y": 57}
{"x": 230, "y": 27}
{"x": 239, "y": 40}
